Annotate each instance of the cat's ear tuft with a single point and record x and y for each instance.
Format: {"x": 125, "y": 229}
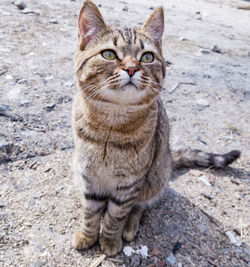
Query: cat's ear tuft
{"x": 154, "y": 26}
{"x": 90, "y": 23}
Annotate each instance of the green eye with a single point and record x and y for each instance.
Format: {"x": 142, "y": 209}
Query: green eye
{"x": 109, "y": 54}
{"x": 147, "y": 57}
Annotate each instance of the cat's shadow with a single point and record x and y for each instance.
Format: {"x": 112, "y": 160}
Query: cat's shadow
{"x": 174, "y": 224}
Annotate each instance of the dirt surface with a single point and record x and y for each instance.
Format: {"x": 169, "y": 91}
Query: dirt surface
{"x": 206, "y": 95}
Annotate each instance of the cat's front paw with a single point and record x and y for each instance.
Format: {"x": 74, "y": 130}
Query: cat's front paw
{"x": 110, "y": 247}
{"x": 81, "y": 241}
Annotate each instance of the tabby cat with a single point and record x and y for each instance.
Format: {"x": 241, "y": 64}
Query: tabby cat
{"x": 122, "y": 162}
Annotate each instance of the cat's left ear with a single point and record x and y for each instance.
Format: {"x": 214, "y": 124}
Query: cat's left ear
{"x": 90, "y": 23}
{"x": 154, "y": 26}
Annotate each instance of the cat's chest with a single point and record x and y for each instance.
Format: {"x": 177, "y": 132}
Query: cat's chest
{"x": 108, "y": 162}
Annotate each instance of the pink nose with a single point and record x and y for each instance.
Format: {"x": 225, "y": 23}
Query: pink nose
{"x": 131, "y": 70}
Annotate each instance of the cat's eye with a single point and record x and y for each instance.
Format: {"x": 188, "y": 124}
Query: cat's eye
{"x": 109, "y": 54}
{"x": 147, "y": 57}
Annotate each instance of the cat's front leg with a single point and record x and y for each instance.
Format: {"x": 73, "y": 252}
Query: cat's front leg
{"x": 92, "y": 209}
{"x": 115, "y": 217}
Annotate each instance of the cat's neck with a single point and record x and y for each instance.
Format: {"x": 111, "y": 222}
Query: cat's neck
{"x": 117, "y": 116}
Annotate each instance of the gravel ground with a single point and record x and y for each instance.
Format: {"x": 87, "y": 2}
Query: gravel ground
{"x": 203, "y": 219}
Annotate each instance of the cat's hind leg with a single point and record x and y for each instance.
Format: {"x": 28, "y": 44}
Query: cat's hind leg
{"x": 132, "y": 224}
{"x": 93, "y": 205}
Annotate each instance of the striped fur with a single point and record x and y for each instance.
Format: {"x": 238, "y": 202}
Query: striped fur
{"x": 122, "y": 162}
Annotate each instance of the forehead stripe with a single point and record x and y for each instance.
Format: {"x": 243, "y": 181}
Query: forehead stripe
{"x": 121, "y": 33}
{"x": 142, "y": 45}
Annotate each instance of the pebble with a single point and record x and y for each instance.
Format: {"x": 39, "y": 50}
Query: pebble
{"x": 135, "y": 261}
{"x": 216, "y": 49}
{"x": 9, "y": 77}
{"x": 53, "y": 21}
{"x": 176, "y": 247}
{"x": 3, "y": 145}
{"x": 143, "y": 250}
{"x": 50, "y": 106}
{"x": 22, "y": 81}
{"x": 125, "y": 9}
{"x": 204, "y": 179}
{"x": 49, "y": 78}
{"x": 155, "y": 251}
{"x": 202, "y": 102}
{"x": 128, "y": 251}
{"x": 161, "y": 264}
{"x": 234, "y": 240}
{"x": 204, "y": 51}
{"x": 27, "y": 11}
{"x": 21, "y": 29}
{"x": 20, "y": 5}
{"x": 171, "y": 259}
{"x": 206, "y": 195}
{"x": 38, "y": 264}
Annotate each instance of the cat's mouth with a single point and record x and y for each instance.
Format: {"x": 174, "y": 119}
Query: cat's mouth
{"x": 129, "y": 85}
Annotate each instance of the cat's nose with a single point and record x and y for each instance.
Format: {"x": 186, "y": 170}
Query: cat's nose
{"x": 131, "y": 70}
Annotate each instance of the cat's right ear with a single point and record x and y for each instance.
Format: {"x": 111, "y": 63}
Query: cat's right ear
{"x": 90, "y": 23}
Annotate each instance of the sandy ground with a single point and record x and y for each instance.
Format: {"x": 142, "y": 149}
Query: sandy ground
{"x": 207, "y": 97}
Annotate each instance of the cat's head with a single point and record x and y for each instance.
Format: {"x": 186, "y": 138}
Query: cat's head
{"x": 121, "y": 66}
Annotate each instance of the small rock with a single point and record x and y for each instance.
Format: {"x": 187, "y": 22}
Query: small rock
{"x": 143, "y": 250}
{"x": 100, "y": 5}
{"x": 183, "y": 39}
{"x": 151, "y": 8}
{"x": 177, "y": 247}
{"x": 204, "y": 179}
{"x": 9, "y": 77}
{"x": 3, "y": 204}
{"x": 21, "y": 29}
{"x": 49, "y": 78}
{"x": 216, "y": 49}
{"x": 179, "y": 264}
{"x": 22, "y": 81}
{"x": 38, "y": 264}
{"x": 50, "y": 106}
{"x": 234, "y": 240}
{"x": 3, "y": 145}
{"x": 135, "y": 261}
{"x": 171, "y": 259}
{"x": 69, "y": 84}
{"x": 128, "y": 251}
{"x": 20, "y": 5}
{"x": 53, "y": 21}
{"x": 155, "y": 251}
{"x": 202, "y": 102}
{"x": 125, "y": 9}
{"x": 201, "y": 140}
{"x": 207, "y": 76}
{"x": 161, "y": 264}
{"x": 204, "y": 51}
{"x": 206, "y": 195}
{"x": 27, "y": 11}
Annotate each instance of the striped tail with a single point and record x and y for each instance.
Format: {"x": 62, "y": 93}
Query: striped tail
{"x": 197, "y": 158}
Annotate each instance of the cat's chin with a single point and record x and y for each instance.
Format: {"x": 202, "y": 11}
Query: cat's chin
{"x": 126, "y": 95}
{"x": 128, "y": 86}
